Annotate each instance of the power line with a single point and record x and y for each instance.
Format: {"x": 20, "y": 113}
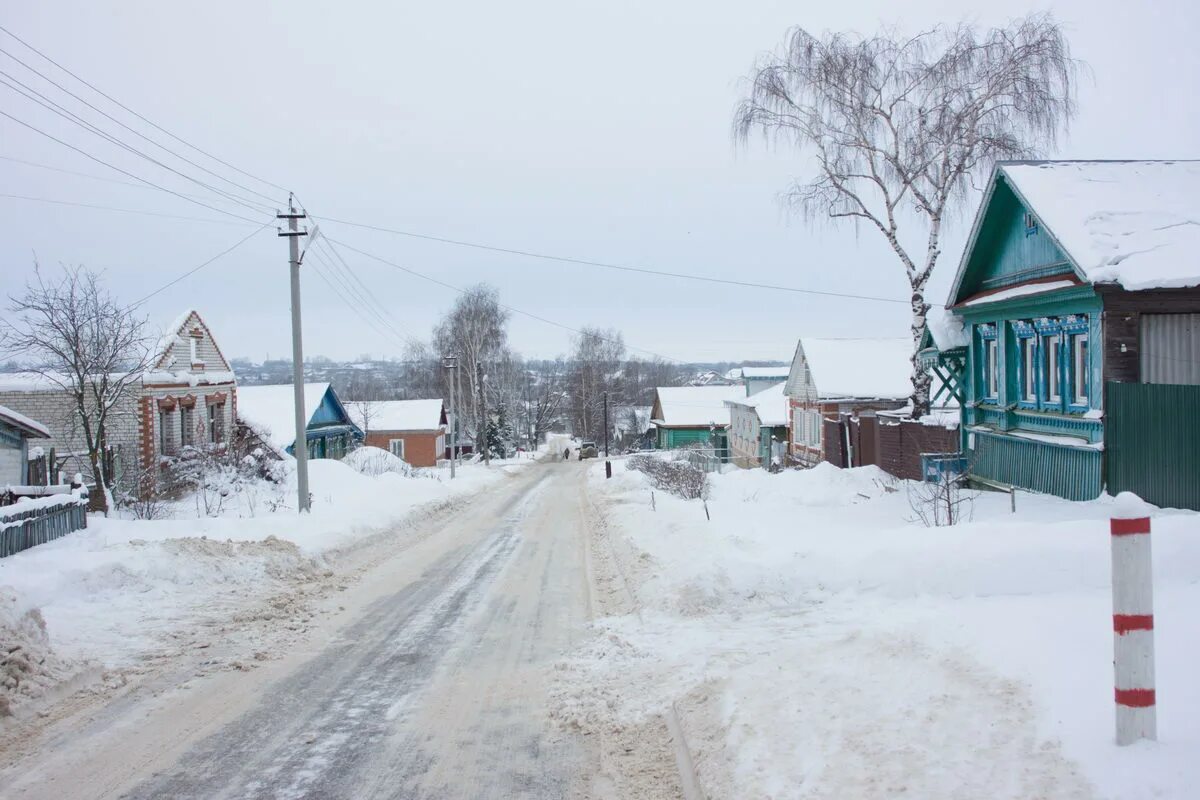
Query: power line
{"x": 273, "y": 202}
{"x": 88, "y": 175}
{"x": 361, "y": 297}
{"x": 112, "y": 208}
{"x": 75, "y": 119}
{"x": 624, "y": 268}
{"x": 354, "y": 308}
{"x": 125, "y": 172}
{"x": 380, "y": 309}
{"x": 513, "y": 309}
{"x": 199, "y": 267}
{"x": 154, "y": 125}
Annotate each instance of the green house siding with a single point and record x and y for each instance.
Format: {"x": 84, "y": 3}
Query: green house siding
{"x": 1007, "y": 251}
{"x": 1018, "y": 435}
{"x": 1070, "y": 472}
{"x": 673, "y": 438}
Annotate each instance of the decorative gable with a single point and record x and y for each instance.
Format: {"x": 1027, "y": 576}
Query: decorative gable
{"x": 1009, "y": 245}
{"x": 189, "y": 347}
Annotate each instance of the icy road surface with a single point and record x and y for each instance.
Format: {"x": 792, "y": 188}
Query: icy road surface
{"x": 433, "y": 687}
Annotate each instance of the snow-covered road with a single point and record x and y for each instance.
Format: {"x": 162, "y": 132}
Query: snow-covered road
{"x": 430, "y": 681}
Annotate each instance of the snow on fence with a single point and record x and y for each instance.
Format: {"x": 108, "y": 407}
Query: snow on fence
{"x": 34, "y": 522}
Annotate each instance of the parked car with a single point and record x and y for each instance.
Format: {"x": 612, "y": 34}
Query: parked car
{"x": 588, "y": 450}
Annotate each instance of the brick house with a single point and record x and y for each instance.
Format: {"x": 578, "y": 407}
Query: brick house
{"x": 414, "y": 430}
{"x": 187, "y": 397}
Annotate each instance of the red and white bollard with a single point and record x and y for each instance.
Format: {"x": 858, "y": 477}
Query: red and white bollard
{"x": 1133, "y": 620}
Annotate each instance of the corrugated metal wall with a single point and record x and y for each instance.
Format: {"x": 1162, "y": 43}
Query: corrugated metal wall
{"x": 1153, "y": 440}
{"x": 1170, "y": 348}
{"x": 1062, "y": 470}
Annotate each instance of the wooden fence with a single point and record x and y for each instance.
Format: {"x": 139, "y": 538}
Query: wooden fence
{"x": 23, "y": 529}
{"x": 895, "y": 444}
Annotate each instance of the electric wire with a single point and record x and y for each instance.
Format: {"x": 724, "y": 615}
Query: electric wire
{"x": 125, "y": 172}
{"x": 199, "y": 267}
{"x": 362, "y": 297}
{"x": 27, "y": 92}
{"x": 621, "y": 267}
{"x": 381, "y": 310}
{"x": 354, "y": 307}
{"x": 126, "y": 108}
{"x": 513, "y": 309}
{"x": 122, "y": 210}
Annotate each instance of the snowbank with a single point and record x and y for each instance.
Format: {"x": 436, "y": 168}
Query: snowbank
{"x": 123, "y": 590}
{"x": 820, "y": 644}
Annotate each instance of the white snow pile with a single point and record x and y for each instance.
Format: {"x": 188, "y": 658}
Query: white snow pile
{"x": 818, "y": 643}
{"x": 28, "y": 665}
{"x": 125, "y": 592}
{"x": 375, "y": 461}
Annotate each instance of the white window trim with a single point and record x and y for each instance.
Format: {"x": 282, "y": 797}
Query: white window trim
{"x": 1028, "y": 348}
{"x": 1053, "y": 359}
{"x": 991, "y": 360}
{"x": 392, "y": 448}
{"x": 1079, "y": 369}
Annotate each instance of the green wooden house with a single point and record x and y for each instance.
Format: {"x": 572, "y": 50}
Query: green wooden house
{"x": 693, "y": 416}
{"x": 1077, "y": 291}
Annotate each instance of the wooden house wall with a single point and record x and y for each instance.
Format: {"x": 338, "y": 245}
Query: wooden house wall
{"x": 1122, "y": 324}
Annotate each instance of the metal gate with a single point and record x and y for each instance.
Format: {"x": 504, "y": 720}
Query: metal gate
{"x": 1152, "y": 442}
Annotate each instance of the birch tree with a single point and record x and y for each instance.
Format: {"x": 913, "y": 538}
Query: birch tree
{"x": 85, "y": 343}
{"x": 475, "y": 330}
{"x": 898, "y": 127}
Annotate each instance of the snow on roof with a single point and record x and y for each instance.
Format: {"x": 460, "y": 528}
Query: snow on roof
{"x": 947, "y": 330}
{"x": 1136, "y": 223}
{"x": 694, "y": 406}
{"x": 32, "y": 382}
{"x": 397, "y": 415}
{"x": 771, "y": 405}
{"x": 170, "y": 334}
{"x": 765, "y": 372}
{"x": 1018, "y": 291}
{"x": 270, "y": 410}
{"x": 18, "y": 420}
{"x": 865, "y": 368}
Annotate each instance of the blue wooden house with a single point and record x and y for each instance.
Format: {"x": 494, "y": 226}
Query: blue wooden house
{"x": 268, "y": 412}
{"x": 15, "y": 432}
{"x": 1077, "y": 290}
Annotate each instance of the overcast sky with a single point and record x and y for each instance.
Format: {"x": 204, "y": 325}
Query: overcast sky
{"x": 598, "y": 132}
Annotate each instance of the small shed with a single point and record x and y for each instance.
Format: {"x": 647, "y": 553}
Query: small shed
{"x": 15, "y": 432}
{"x": 692, "y": 416}
{"x": 414, "y": 430}
{"x": 269, "y": 412}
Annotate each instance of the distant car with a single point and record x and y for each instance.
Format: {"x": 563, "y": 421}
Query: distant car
{"x": 588, "y": 450}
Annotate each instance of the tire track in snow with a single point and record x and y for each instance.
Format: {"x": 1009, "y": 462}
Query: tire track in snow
{"x": 314, "y": 733}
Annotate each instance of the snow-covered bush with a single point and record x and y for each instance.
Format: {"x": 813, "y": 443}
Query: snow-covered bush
{"x": 375, "y": 461}
{"x": 677, "y": 477}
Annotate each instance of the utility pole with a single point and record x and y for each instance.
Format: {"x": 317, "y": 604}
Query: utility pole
{"x": 451, "y": 365}
{"x": 607, "y": 463}
{"x": 300, "y": 447}
{"x": 479, "y": 377}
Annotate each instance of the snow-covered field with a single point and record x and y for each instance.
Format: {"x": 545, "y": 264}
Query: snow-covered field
{"x": 124, "y": 594}
{"x": 816, "y": 642}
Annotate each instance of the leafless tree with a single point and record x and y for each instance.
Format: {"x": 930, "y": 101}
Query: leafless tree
{"x": 594, "y": 369}
{"x": 83, "y": 341}
{"x": 475, "y": 330}
{"x": 945, "y": 500}
{"x": 899, "y": 126}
